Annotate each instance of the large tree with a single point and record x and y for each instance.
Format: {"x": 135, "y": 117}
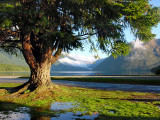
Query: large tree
{"x": 42, "y": 29}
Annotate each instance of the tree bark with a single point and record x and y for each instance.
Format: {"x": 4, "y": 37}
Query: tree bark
{"x": 40, "y": 77}
{"x": 39, "y": 57}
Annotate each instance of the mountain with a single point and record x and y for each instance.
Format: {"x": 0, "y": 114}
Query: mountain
{"x": 156, "y": 70}
{"x": 77, "y": 60}
{"x": 142, "y": 58}
{"x": 72, "y": 62}
{"x": 65, "y": 67}
{"x": 96, "y": 63}
{"x": 65, "y": 63}
{"x": 5, "y": 58}
{"x": 12, "y": 63}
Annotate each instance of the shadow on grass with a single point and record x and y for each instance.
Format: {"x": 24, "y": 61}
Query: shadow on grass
{"x": 6, "y": 88}
{"x": 10, "y": 89}
{"x": 9, "y": 85}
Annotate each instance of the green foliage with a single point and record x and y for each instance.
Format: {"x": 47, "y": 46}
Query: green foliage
{"x": 6, "y": 85}
{"x": 120, "y": 48}
{"x": 64, "y": 24}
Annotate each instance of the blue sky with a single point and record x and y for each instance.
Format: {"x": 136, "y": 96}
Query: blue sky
{"x": 129, "y": 37}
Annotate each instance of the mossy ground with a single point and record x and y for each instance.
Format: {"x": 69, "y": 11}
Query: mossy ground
{"x": 114, "y": 105}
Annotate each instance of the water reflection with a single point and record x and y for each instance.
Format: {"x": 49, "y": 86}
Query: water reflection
{"x": 56, "y": 111}
{"x": 112, "y": 111}
{"x": 56, "y": 106}
{"x": 75, "y": 116}
{"x": 13, "y": 115}
{"x": 59, "y": 106}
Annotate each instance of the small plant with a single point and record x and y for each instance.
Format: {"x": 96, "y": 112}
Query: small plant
{"x": 27, "y": 91}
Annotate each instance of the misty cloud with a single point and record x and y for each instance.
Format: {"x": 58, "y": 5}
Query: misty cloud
{"x": 137, "y": 44}
{"x": 77, "y": 60}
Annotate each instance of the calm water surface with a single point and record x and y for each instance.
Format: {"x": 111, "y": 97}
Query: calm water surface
{"x": 74, "y": 73}
{"x": 58, "y": 112}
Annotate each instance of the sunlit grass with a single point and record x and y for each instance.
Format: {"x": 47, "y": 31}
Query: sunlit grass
{"x": 89, "y": 101}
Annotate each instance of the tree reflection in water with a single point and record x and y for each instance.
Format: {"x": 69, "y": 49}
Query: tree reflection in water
{"x": 54, "y": 111}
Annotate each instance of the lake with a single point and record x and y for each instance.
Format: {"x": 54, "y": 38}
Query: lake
{"x": 54, "y": 73}
{"x": 77, "y": 73}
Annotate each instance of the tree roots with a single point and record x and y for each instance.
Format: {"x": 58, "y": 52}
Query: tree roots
{"x": 32, "y": 88}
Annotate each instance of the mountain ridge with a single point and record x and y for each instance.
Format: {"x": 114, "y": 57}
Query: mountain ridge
{"x": 141, "y": 60}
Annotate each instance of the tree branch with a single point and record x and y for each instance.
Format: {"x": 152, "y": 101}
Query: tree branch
{"x": 27, "y": 52}
{"x": 10, "y": 41}
{"x": 10, "y": 46}
{"x": 83, "y": 38}
{"x": 90, "y": 34}
{"x": 56, "y": 56}
{"x": 87, "y": 34}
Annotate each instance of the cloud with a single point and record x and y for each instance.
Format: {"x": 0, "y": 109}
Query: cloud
{"x": 77, "y": 60}
{"x": 68, "y": 61}
{"x": 138, "y": 51}
{"x": 82, "y": 58}
{"x": 137, "y": 44}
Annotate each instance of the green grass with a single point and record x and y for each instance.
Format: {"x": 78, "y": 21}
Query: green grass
{"x": 90, "y": 101}
{"x": 8, "y": 85}
{"x": 110, "y": 80}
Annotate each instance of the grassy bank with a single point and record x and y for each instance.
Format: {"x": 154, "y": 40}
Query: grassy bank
{"x": 8, "y": 68}
{"x": 113, "y": 105}
{"x": 110, "y": 80}
{"x": 13, "y": 70}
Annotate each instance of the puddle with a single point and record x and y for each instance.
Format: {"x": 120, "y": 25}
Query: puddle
{"x": 112, "y": 111}
{"x": 59, "y": 106}
{"x": 74, "y": 116}
{"x": 19, "y": 114}
{"x": 59, "y": 113}
{"x": 62, "y": 106}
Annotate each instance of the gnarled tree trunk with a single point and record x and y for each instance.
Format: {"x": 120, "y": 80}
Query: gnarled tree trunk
{"x": 40, "y": 77}
{"x": 40, "y": 60}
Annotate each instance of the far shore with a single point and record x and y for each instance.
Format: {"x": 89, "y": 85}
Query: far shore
{"x": 137, "y": 80}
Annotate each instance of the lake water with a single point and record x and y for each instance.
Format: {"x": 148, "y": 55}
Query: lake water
{"x": 96, "y": 73}
{"x": 56, "y": 73}
{"x": 76, "y": 73}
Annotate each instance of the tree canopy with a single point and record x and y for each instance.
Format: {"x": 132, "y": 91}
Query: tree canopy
{"x": 42, "y": 29}
{"x": 66, "y": 23}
